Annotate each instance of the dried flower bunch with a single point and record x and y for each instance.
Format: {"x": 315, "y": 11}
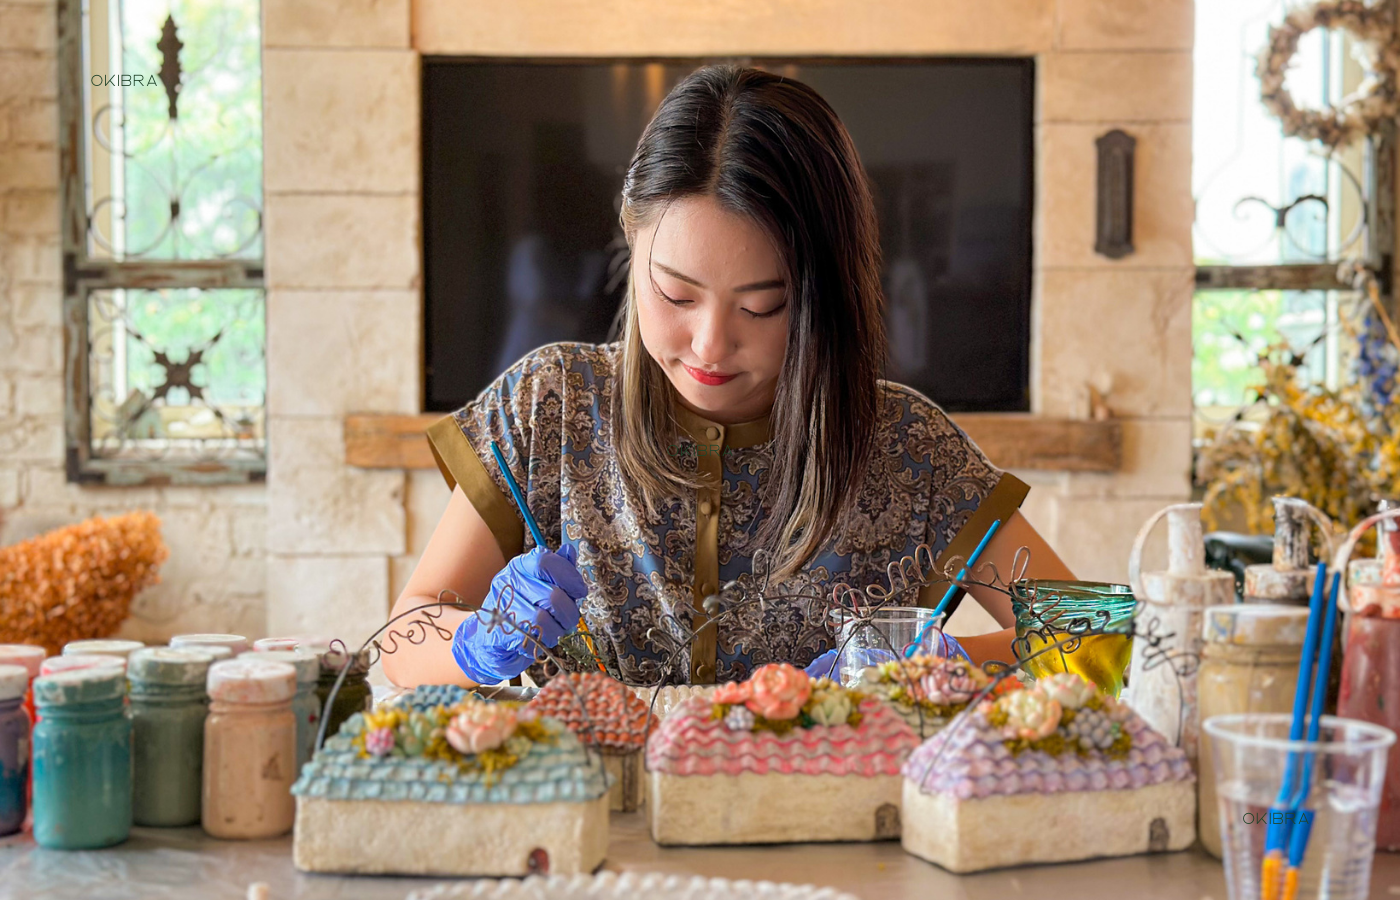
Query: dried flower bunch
{"x": 1375, "y": 100}
{"x": 475, "y": 734}
{"x": 1060, "y": 714}
{"x": 779, "y": 697}
{"x": 77, "y": 582}
{"x": 1318, "y": 445}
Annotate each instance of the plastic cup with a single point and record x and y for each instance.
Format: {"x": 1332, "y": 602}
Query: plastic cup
{"x": 868, "y": 636}
{"x": 1344, "y": 769}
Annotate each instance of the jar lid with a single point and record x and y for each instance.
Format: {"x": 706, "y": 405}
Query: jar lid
{"x": 332, "y": 661}
{"x": 236, "y": 643}
{"x": 14, "y": 681}
{"x": 252, "y": 681}
{"x": 307, "y": 664}
{"x": 217, "y": 651}
{"x": 166, "y": 665}
{"x": 55, "y": 664}
{"x": 79, "y": 686}
{"x": 276, "y": 643}
{"x": 1256, "y": 624}
{"x": 27, "y": 655}
{"x": 106, "y": 648}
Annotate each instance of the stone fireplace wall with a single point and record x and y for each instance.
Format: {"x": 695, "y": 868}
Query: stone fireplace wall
{"x": 325, "y": 546}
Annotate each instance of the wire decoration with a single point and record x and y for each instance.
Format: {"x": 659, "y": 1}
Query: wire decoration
{"x": 858, "y": 606}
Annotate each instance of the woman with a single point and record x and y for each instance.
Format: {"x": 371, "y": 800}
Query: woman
{"x": 742, "y": 409}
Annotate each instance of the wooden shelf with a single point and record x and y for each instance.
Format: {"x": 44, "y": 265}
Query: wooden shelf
{"x": 1010, "y": 440}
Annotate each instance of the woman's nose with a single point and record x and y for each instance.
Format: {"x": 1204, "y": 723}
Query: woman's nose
{"x": 712, "y": 340}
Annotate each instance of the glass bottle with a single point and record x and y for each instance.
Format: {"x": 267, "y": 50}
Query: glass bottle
{"x": 355, "y": 694}
{"x": 249, "y": 749}
{"x": 306, "y": 706}
{"x": 168, "y": 709}
{"x": 14, "y": 748}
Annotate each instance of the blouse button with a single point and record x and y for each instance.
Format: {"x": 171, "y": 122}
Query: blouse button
{"x": 706, "y": 589}
{"x": 712, "y": 433}
{"x": 705, "y": 507}
{"x": 704, "y": 673}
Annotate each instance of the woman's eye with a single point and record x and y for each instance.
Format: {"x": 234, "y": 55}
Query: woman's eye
{"x": 671, "y": 300}
{"x": 772, "y": 312}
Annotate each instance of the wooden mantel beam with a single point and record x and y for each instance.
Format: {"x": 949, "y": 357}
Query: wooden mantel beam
{"x": 1010, "y": 440}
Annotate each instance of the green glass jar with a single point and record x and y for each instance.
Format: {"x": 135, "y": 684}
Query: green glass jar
{"x": 168, "y": 709}
{"x": 355, "y": 694}
{"x": 1092, "y": 620}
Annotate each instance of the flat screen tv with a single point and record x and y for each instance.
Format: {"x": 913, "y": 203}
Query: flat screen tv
{"x": 523, "y": 163}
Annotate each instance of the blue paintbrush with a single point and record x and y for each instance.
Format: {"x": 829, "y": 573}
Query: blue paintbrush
{"x": 952, "y": 588}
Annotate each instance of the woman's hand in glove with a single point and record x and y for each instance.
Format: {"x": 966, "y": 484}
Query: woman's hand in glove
{"x": 536, "y": 592}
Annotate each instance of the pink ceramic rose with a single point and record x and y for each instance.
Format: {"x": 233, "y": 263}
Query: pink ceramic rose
{"x": 733, "y": 693}
{"x": 779, "y": 690}
{"x": 480, "y": 727}
{"x": 1030, "y": 714}
{"x": 379, "y": 741}
{"x": 952, "y": 681}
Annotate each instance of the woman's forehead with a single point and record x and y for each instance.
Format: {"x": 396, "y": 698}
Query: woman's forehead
{"x": 706, "y": 243}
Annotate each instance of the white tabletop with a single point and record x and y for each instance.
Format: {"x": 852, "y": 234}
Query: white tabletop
{"x": 160, "y": 863}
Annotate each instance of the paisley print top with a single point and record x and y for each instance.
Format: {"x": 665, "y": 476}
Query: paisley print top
{"x": 648, "y": 576}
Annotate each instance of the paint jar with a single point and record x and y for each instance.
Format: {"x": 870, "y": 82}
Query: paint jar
{"x": 355, "y": 694}
{"x": 168, "y": 709}
{"x": 306, "y": 706}
{"x": 82, "y": 759}
{"x": 103, "y": 648}
{"x": 14, "y": 748}
{"x": 250, "y": 749}
{"x": 29, "y": 656}
{"x": 1370, "y": 692}
{"x": 276, "y": 643}
{"x": 236, "y": 643}
{"x": 55, "y": 664}
{"x": 1249, "y": 664}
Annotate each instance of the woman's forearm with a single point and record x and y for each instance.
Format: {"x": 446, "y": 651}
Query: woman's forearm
{"x": 995, "y": 645}
{"x": 429, "y": 661}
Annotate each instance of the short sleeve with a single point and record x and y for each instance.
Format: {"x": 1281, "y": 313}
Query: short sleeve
{"x": 967, "y": 493}
{"x": 522, "y": 412}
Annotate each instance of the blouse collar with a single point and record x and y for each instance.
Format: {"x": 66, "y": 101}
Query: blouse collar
{"x": 742, "y": 434}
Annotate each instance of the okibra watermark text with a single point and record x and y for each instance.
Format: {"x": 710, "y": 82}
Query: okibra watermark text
{"x": 1278, "y": 817}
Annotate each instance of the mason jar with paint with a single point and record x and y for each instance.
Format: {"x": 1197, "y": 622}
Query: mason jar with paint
{"x": 122, "y": 649}
{"x": 82, "y": 759}
{"x": 1249, "y": 664}
{"x": 14, "y": 748}
{"x": 355, "y": 694}
{"x": 168, "y": 709}
{"x": 306, "y": 706}
{"x": 30, "y": 657}
{"x": 250, "y": 749}
{"x": 236, "y": 643}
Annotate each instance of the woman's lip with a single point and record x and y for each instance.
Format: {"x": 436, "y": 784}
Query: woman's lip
{"x": 705, "y": 377}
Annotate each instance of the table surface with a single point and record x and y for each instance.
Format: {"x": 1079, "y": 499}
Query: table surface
{"x": 160, "y": 863}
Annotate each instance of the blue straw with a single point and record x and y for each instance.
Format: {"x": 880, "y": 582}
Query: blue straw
{"x": 952, "y": 589}
{"x": 519, "y": 497}
{"x": 1298, "y": 845}
{"x": 1277, "y": 836}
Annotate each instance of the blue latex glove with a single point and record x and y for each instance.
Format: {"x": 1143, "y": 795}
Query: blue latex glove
{"x": 826, "y": 666}
{"x": 944, "y": 645}
{"x": 544, "y": 592}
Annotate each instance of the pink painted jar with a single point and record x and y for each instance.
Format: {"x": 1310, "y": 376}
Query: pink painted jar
{"x": 30, "y": 657}
{"x": 250, "y": 749}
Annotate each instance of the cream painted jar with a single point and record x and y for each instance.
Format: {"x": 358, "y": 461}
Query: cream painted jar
{"x": 250, "y": 749}
{"x": 236, "y": 643}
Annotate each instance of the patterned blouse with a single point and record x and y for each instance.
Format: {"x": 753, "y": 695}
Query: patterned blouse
{"x": 550, "y": 414}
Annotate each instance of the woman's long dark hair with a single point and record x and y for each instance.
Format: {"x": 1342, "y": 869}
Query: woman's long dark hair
{"x": 769, "y": 148}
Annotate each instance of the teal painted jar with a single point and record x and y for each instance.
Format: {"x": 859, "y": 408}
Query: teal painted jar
{"x": 122, "y": 649}
{"x": 355, "y": 694}
{"x": 236, "y": 643}
{"x": 14, "y": 748}
{"x": 82, "y": 759}
{"x": 168, "y": 709}
{"x": 306, "y": 706}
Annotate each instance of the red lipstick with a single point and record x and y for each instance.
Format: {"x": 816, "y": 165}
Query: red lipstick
{"x": 706, "y": 377}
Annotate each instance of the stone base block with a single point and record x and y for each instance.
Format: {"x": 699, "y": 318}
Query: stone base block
{"x": 1021, "y": 829}
{"x": 772, "y": 809}
{"x": 376, "y": 837}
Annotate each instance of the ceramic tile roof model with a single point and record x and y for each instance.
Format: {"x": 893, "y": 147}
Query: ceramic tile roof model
{"x": 928, "y": 691}
{"x": 778, "y": 758}
{"x": 1050, "y": 773}
{"x": 608, "y": 717}
{"x": 475, "y": 789}
{"x": 627, "y": 886}
{"x": 671, "y": 696}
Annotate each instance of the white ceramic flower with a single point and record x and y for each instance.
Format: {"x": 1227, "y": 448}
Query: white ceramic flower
{"x": 1068, "y": 689}
{"x": 1030, "y": 714}
{"x": 830, "y": 707}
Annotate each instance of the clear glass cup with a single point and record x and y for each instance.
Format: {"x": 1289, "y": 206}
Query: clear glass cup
{"x": 868, "y": 636}
{"x": 1345, "y": 768}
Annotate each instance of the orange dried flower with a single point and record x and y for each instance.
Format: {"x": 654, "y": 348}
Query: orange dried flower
{"x": 77, "y": 582}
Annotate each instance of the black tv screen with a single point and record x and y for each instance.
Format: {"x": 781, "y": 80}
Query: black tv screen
{"x": 523, "y": 165}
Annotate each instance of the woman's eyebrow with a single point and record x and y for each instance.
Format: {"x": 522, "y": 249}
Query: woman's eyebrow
{"x": 741, "y": 289}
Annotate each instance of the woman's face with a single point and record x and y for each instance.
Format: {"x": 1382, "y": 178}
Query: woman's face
{"x": 714, "y": 304}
